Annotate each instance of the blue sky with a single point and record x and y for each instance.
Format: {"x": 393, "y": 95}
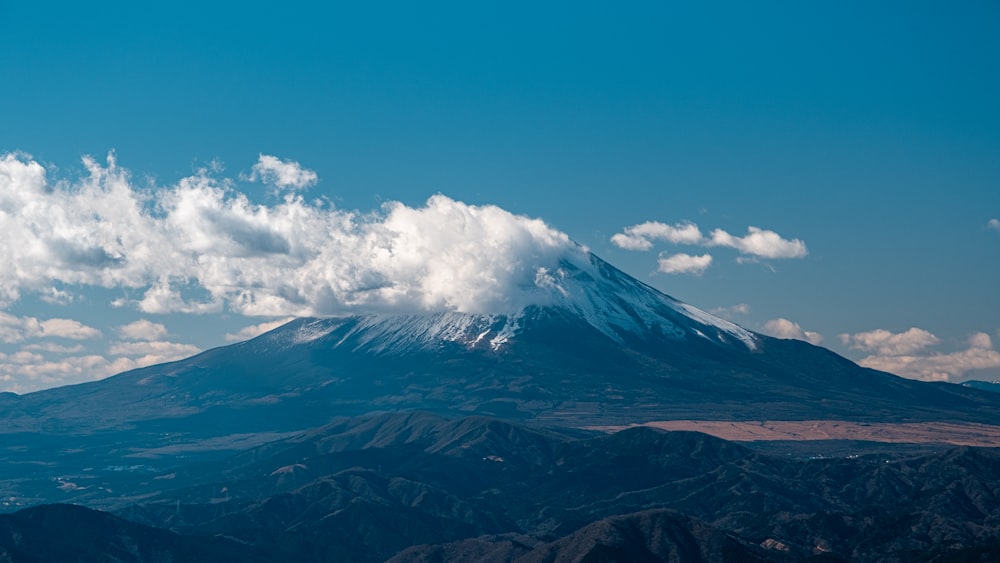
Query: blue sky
{"x": 868, "y": 133}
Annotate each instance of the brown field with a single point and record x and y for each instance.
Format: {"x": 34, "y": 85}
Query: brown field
{"x": 957, "y": 433}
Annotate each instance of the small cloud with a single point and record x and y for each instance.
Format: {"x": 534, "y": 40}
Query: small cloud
{"x": 761, "y": 243}
{"x": 248, "y": 332}
{"x": 994, "y": 224}
{"x": 641, "y": 236}
{"x": 905, "y": 354}
{"x": 981, "y": 341}
{"x": 684, "y": 264}
{"x": 142, "y": 330}
{"x": 282, "y": 173}
{"x": 729, "y": 312}
{"x": 885, "y": 343}
{"x": 784, "y": 328}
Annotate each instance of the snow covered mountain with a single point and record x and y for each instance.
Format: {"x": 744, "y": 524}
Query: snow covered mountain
{"x": 596, "y": 348}
{"x": 593, "y": 292}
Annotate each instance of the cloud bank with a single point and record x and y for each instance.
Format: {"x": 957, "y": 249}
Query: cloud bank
{"x": 757, "y": 243}
{"x": 906, "y": 354}
{"x": 885, "y": 343}
{"x": 201, "y": 246}
{"x": 43, "y": 363}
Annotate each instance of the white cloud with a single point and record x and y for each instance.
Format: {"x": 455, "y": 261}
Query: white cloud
{"x": 641, "y": 236}
{"x": 282, "y": 173}
{"x": 142, "y": 330}
{"x": 17, "y": 329}
{"x": 898, "y": 353}
{"x": 684, "y": 264}
{"x": 761, "y": 243}
{"x": 885, "y": 343}
{"x": 993, "y": 224}
{"x": 758, "y": 243}
{"x": 248, "y": 332}
{"x": 199, "y": 246}
{"x": 784, "y": 328}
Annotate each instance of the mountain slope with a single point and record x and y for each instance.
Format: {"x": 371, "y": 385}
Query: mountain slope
{"x": 74, "y": 533}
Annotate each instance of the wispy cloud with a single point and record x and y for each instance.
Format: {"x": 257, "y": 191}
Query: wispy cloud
{"x": 53, "y": 348}
{"x": 684, "y": 264}
{"x": 201, "y": 246}
{"x": 282, "y": 173}
{"x": 252, "y": 331}
{"x": 993, "y": 224}
{"x": 154, "y": 352}
{"x": 907, "y": 354}
{"x": 784, "y": 328}
{"x": 729, "y": 312}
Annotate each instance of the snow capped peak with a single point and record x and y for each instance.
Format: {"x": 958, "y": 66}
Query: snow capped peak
{"x": 581, "y": 286}
{"x": 618, "y": 304}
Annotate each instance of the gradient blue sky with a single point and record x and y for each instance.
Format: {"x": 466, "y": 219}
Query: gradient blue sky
{"x": 871, "y": 133}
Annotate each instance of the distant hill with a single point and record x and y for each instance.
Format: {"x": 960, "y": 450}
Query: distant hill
{"x": 418, "y": 487}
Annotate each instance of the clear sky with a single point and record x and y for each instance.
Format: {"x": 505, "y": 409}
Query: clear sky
{"x": 860, "y": 141}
